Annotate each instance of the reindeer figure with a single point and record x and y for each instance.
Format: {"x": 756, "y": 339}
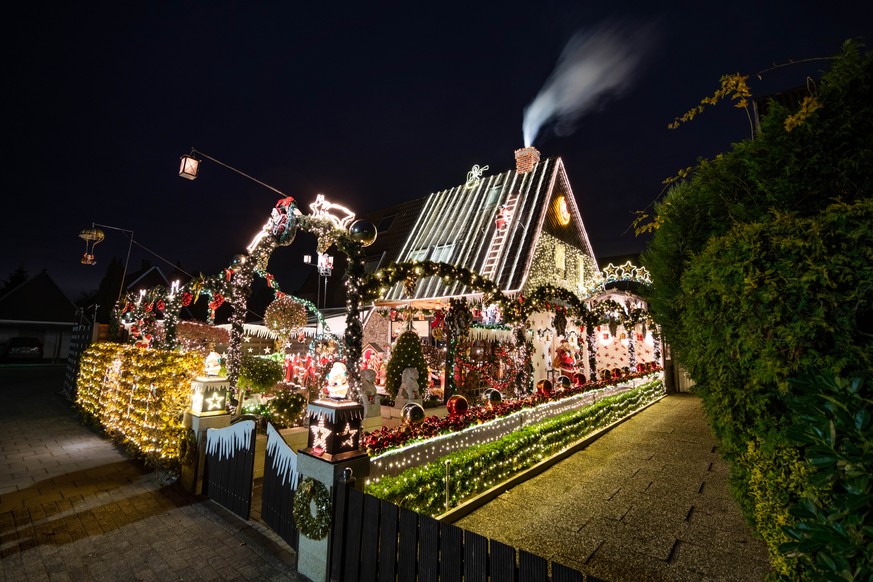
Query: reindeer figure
{"x": 321, "y": 208}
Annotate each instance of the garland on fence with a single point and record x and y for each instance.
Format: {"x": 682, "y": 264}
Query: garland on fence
{"x": 316, "y": 526}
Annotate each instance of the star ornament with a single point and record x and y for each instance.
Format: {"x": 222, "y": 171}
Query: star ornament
{"x": 215, "y": 402}
{"x": 351, "y": 433}
{"x": 320, "y": 434}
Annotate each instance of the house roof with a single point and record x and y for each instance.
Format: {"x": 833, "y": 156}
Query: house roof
{"x": 458, "y": 226}
{"x": 38, "y": 299}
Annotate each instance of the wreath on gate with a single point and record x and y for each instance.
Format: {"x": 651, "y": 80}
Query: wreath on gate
{"x": 312, "y": 526}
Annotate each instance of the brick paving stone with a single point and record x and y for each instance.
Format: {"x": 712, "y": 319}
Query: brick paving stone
{"x": 76, "y": 508}
{"x": 651, "y": 501}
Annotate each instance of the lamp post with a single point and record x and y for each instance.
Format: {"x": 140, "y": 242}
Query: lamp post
{"x": 325, "y": 268}
{"x": 189, "y": 167}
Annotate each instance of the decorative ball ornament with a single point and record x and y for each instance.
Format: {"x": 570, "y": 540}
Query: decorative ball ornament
{"x": 544, "y": 387}
{"x": 456, "y": 405}
{"x": 412, "y": 413}
{"x": 238, "y": 260}
{"x": 364, "y": 232}
{"x": 563, "y": 382}
{"x": 311, "y": 492}
{"x": 493, "y": 397}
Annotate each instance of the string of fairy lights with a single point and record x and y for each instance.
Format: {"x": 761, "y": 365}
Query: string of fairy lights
{"x": 434, "y": 487}
{"x": 152, "y": 320}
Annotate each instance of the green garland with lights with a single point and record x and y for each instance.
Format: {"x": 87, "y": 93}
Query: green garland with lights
{"x": 481, "y": 467}
{"x": 315, "y": 526}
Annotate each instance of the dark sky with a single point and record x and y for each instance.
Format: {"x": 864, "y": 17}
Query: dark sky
{"x": 370, "y": 103}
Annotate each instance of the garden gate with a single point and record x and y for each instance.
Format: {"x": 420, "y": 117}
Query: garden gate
{"x": 280, "y": 483}
{"x": 230, "y": 466}
{"x": 229, "y": 479}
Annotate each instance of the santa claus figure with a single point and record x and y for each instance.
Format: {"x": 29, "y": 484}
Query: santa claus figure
{"x": 566, "y": 359}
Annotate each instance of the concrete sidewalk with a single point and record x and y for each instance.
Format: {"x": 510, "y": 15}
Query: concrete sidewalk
{"x": 647, "y": 501}
{"x": 72, "y": 507}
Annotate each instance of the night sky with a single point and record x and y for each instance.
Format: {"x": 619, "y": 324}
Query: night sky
{"x": 369, "y": 103}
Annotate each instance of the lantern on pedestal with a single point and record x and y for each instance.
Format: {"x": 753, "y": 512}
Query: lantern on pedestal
{"x": 334, "y": 429}
{"x": 209, "y": 396}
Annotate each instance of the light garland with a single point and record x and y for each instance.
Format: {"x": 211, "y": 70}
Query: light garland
{"x": 138, "y": 396}
{"x": 480, "y": 467}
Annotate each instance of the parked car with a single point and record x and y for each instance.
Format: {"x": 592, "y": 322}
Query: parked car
{"x": 22, "y": 348}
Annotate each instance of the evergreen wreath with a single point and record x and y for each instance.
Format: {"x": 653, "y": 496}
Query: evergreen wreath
{"x": 315, "y": 526}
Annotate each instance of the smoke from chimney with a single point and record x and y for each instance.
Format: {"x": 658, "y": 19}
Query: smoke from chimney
{"x": 593, "y": 65}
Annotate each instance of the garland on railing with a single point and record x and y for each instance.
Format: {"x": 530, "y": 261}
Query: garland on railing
{"x": 384, "y": 439}
{"x": 476, "y": 469}
{"x": 487, "y": 369}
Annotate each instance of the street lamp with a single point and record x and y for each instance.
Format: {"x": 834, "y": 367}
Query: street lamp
{"x": 189, "y": 166}
{"x": 325, "y": 268}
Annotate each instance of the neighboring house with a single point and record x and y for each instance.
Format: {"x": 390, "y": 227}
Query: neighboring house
{"x": 39, "y": 309}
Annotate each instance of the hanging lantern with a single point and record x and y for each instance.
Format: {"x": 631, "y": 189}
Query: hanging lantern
{"x": 188, "y": 167}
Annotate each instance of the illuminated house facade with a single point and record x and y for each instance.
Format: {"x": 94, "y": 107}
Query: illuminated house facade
{"x": 520, "y": 228}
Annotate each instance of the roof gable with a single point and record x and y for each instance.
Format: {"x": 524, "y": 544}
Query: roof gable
{"x": 459, "y": 226}
{"x": 37, "y": 299}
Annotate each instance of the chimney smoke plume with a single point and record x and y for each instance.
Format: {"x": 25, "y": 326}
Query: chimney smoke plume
{"x": 593, "y": 66}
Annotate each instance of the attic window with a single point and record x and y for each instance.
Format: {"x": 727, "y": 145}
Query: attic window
{"x": 493, "y": 197}
{"x": 419, "y": 255}
{"x": 443, "y": 253}
{"x": 385, "y": 223}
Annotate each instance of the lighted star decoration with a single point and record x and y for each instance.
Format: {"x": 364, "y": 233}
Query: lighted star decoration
{"x": 322, "y": 208}
{"x": 215, "y": 402}
{"x": 320, "y": 433}
{"x": 351, "y": 433}
{"x": 266, "y": 350}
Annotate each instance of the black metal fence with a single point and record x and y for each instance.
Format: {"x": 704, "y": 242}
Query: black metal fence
{"x": 375, "y": 540}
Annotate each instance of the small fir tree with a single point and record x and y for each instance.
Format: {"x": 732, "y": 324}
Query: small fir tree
{"x": 407, "y": 353}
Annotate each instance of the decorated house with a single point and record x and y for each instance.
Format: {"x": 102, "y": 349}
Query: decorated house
{"x": 521, "y": 229}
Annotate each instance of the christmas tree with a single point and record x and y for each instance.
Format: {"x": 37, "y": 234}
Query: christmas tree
{"x": 406, "y": 353}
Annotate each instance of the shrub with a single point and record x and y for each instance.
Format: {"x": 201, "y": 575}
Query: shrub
{"x": 832, "y": 535}
{"x": 406, "y": 353}
{"x": 286, "y": 409}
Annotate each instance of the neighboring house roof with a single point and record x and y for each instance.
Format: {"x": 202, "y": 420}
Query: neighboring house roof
{"x": 37, "y": 300}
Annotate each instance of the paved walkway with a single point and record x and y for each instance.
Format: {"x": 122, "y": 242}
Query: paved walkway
{"x": 72, "y": 507}
{"x": 648, "y": 501}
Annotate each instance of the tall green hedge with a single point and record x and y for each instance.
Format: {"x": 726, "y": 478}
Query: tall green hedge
{"x": 762, "y": 272}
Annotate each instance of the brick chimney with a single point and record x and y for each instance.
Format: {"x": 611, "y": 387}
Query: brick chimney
{"x": 526, "y": 159}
